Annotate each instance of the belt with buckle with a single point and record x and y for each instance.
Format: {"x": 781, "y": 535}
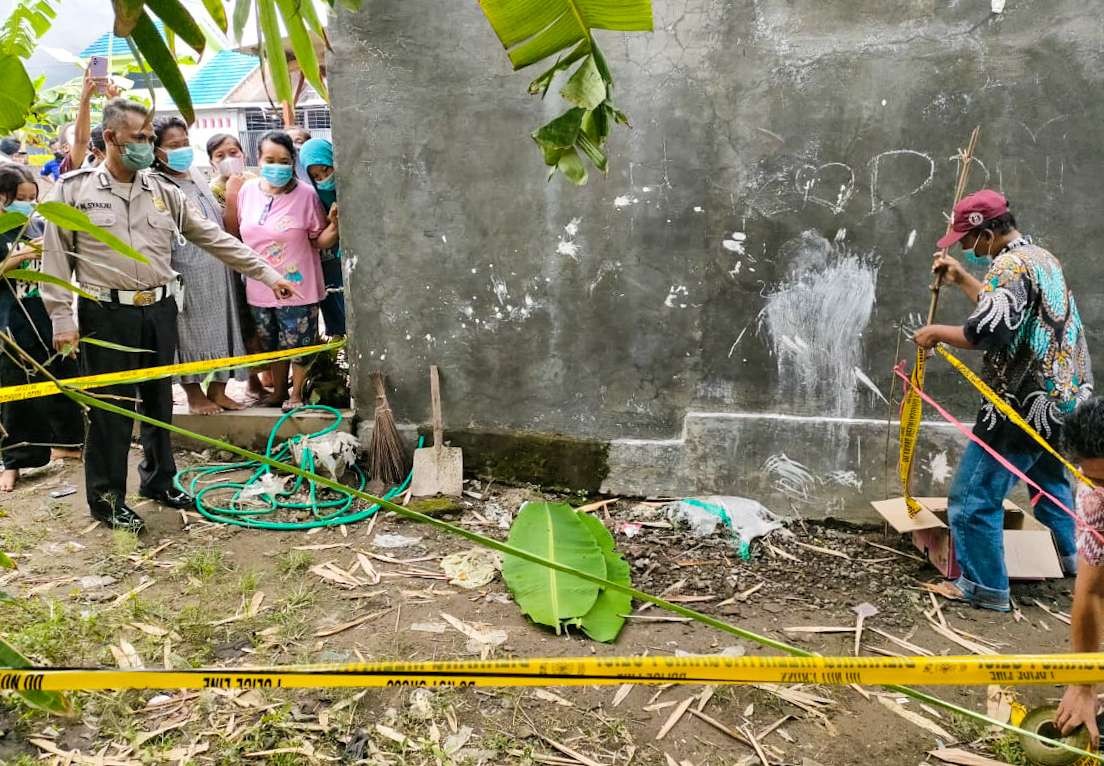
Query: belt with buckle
{"x": 131, "y": 297}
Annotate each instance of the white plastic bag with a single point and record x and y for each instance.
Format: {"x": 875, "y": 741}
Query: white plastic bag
{"x": 738, "y": 517}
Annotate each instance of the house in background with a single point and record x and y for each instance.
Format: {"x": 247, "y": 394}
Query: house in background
{"x": 228, "y": 96}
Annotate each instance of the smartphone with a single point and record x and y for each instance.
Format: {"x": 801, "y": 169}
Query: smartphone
{"x": 64, "y": 491}
{"x": 97, "y": 68}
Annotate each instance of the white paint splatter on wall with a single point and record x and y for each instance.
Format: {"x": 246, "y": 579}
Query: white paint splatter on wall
{"x": 570, "y": 249}
{"x": 938, "y": 467}
{"x": 845, "y": 479}
{"x": 863, "y": 378}
{"x": 676, "y": 294}
{"x": 622, "y": 201}
{"x": 911, "y": 240}
{"x": 790, "y": 477}
{"x": 572, "y": 227}
{"x": 815, "y": 321}
{"x": 736, "y": 243}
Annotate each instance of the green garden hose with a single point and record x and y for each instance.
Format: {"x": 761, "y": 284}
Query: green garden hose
{"x": 328, "y": 508}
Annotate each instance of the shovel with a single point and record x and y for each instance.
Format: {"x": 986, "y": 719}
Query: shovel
{"x": 438, "y": 470}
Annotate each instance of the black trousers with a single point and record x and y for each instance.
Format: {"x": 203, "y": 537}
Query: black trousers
{"x": 32, "y": 426}
{"x": 105, "y": 453}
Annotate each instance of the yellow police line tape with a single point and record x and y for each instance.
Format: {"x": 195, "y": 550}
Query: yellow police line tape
{"x": 1006, "y": 409}
{"x": 1014, "y": 670}
{"x": 911, "y": 411}
{"x": 47, "y": 388}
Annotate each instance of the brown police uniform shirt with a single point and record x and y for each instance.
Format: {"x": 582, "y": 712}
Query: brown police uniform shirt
{"x": 147, "y": 214}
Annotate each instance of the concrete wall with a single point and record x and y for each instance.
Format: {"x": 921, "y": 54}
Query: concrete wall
{"x": 727, "y": 301}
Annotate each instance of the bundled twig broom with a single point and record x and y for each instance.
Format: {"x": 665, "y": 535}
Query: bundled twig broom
{"x": 386, "y": 454}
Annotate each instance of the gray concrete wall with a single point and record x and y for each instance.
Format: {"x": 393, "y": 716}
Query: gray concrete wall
{"x": 731, "y": 293}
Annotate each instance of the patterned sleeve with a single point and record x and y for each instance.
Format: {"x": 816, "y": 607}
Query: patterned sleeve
{"x": 1001, "y": 305}
{"x": 1091, "y": 505}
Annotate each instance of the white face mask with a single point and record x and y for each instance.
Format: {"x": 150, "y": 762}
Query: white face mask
{"x": 231, "y": 166}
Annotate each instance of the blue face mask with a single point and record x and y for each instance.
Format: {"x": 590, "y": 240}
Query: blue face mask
{"x": 179, "y": 159}
{"x": 277, "y": 175}
{"x": 19, "y": 206}
{"x": 973, "y": 259}
{"x": 329, "y": 184}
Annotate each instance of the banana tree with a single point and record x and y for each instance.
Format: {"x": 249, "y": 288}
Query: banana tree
{"x": 536, "y": 30}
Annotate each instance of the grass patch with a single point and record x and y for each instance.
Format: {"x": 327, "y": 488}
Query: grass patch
{"x": 204, "y": 563}
{"x": 17, "y": 539}
{"x": 1007, "y": 748}
{"x": 294, "y": 562}
{"x": 249, "y": 581}
{"x": 55, "y": 633}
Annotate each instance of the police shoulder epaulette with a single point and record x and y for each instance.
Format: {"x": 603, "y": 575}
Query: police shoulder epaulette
{"x": 77, "y": 172}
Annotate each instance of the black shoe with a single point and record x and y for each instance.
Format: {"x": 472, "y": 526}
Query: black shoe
{"x": 118, "y": 517}
{"x": 172, "y": 498}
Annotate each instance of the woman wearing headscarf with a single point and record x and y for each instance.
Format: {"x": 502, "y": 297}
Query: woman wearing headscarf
{"x": 317, "y": 157}
{"x": 208, "y": 321}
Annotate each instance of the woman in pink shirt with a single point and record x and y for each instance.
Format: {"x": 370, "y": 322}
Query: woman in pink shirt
{"x": 283, "y": 221}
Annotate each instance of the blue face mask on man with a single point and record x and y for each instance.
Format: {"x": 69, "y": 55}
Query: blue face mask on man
{"x": 327, "y": 184}
{"x": 973, "y": 258}
{"x": 179, "y": 159}
{"x": 277, "y": 175}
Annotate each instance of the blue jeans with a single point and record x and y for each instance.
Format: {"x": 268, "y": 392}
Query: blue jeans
{"x": 975, "y": 511}
{"x": 333, "y": 305}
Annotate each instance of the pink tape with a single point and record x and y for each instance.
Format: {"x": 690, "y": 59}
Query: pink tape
{"x": 1040, "y": 492}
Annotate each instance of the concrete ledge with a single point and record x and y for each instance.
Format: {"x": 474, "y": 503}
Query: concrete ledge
{"x": 812, "y": 466}
{"x": 251, "y": 427}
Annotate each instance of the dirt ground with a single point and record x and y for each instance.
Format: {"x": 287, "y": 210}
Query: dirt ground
{"x": 189, "y": 593}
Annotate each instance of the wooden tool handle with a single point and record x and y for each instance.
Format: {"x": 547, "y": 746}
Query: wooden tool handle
{"x": 435, "y": 403}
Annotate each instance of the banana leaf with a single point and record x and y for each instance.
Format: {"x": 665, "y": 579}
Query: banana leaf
{"x": 17, "y": 95}
{"x": 178, "y": 19}
{"x": 28, "y": 275}
{"x": 69, "y": 218}
{"x": 115, "y": 346}
{"x": 11, "y": 220}
{"x": 152, "y": 47}
{"x": 241, "y": 17}
{"x": 301, "y": 44}
{"x": 6, "y": 561}
{"x": 552, "y": 531}
{"x": 51, "y": 702}
{"x": 606, "y": 618}
{"x": 217, "y": 12}
{"x": 126, "y": 15}
{"x": 533, "y": 30}
{"x": 274, "y": 50}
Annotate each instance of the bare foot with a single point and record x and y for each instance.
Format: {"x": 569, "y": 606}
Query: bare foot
{"x": 291, "y": 404}
{"x": 8, "y": 479}
{"x": 61, "y": 453}
{"x": 198, "y": 403}
{"x": 224, "y": 401}
{"x": 274, "y": 400}
{"x": 256, "y": 389}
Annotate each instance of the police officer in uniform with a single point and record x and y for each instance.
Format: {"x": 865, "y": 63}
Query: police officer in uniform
{"x": 136, "y": 303}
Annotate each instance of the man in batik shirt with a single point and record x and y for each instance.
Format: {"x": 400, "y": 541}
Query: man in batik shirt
{"x": 1036, "y": 359}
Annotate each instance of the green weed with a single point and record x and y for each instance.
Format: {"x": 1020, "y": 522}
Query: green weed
{"x": 294, "y": 562}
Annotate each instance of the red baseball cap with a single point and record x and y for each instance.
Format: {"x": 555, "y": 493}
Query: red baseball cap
{"x": 971, "y": 212}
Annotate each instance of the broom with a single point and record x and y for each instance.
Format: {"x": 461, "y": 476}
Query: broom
{"x": 386, "y": 454}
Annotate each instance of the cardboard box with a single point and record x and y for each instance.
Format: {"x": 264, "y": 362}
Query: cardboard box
{"x": 1029, "y": 552}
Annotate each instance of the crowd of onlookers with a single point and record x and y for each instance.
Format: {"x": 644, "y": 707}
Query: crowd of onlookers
{"x": 282, "y": 205}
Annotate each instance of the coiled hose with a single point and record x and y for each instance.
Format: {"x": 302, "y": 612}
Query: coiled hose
{"x": 328, "y": 508}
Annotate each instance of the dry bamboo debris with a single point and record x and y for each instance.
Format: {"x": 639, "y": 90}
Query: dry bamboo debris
{"x": 1058, "y": 615}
